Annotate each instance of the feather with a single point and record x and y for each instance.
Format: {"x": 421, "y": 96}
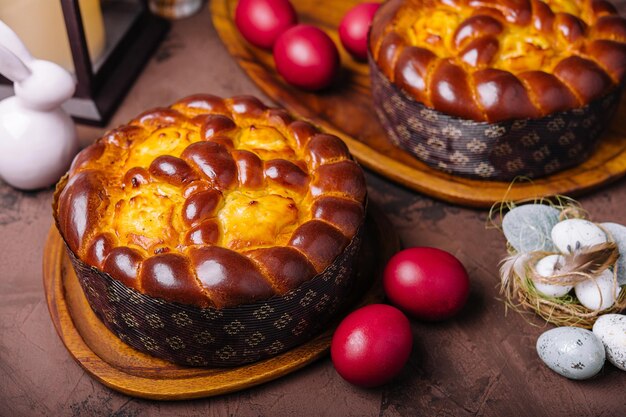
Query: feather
{"x": 589, "y": 260}
{"x": 507, "y": 268}
{"x": 510, "y": 267}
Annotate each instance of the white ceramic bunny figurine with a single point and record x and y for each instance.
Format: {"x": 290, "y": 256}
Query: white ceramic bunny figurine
{"x": 37, "y": 138}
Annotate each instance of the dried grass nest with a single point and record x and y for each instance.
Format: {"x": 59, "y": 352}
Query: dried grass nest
{"x": 517, "y": 271}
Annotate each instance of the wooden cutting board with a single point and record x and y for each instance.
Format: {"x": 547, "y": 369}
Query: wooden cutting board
{"x": 346, "y": 111}
{"x": 124, "y": 369}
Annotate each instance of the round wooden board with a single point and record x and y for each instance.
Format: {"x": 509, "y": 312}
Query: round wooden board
{"x": 346, "y": 111}
{"x": 125, "y": 369}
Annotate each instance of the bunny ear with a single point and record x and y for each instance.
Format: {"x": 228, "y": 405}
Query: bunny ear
{"x": 12, "y": 67}
{"x": 13, "y": 43}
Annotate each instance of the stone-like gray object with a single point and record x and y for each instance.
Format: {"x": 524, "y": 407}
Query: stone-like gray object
{"x": 572, "y": 352}
{"x": 618, "y": 233}
{"x": 611, "y": 330}
{"x": 527, "y": 228}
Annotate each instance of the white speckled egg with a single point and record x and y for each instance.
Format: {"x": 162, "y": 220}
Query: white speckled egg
{"x": 588, "y": 292}
{"x": 572, "y": 352}
{"x": 611, "y": 330}
{"x": 572, "y": 234}
{"x": 545, "y": 268}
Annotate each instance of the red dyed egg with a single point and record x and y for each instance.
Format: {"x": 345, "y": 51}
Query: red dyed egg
{"x": 371, "y": 345}
{"x": 427, "y": 283}
{"x": 354, "y": 27}
{"x": 306, "y": 57}
{"x": 261, "y": 22}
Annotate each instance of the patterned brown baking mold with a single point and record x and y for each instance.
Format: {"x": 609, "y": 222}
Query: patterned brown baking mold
{"x": 510, "y": 144}
{"x": 500, "y": 151}
{"x": 193, "y": 336}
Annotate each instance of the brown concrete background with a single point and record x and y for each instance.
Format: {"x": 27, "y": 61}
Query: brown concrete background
{"x": 480, "y": 364}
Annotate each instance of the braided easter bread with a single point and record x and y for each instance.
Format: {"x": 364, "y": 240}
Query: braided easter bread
{"x": 212, "y": 202}
{"x": 495, "y": 60}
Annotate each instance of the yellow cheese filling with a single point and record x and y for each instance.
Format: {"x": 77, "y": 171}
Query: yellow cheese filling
{"x": 149, "y": 216}
{"x": 521, "y": 47}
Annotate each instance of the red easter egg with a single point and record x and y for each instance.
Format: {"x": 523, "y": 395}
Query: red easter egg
{"x": 354, "y": 27}
{"x": 427, "y": 283}
{"x": 306, "y": 57}
{"x": 371, "y": 345}
{"x": 261, "y": 22}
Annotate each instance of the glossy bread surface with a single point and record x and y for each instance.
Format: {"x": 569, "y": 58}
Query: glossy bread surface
{"x": 490, "y": 60}
{"x": 212, "y": 202}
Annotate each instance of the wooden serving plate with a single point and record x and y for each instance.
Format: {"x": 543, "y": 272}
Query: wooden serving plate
{"x": 346, "y": 110}
{"x": 119, "y": 366}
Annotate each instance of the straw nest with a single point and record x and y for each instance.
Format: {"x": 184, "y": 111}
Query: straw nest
{"x": 517, "y": 272}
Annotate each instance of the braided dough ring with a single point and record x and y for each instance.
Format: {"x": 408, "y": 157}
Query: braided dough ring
{"x": 212, "y": 202}
{"x": 495, "y": 60}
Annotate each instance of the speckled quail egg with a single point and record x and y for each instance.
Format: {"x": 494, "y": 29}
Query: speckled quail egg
{"x": 611, "y": 330}
{"x": 572, "y": 352}
{"x": 571, "y": 234}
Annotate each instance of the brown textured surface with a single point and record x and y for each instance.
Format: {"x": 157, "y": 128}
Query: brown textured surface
{"x": 346, "y": 110}
{"x": 482, "y": 363}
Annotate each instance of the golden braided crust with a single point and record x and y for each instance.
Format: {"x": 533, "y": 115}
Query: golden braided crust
{"x": 493, "y": 60}
{"x": 212, "y": 202}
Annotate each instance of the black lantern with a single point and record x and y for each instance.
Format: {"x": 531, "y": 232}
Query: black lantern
{"x": 131, "y": 33}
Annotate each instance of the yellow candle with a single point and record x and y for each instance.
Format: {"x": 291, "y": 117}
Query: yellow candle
{"x": 40, "y": 25}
